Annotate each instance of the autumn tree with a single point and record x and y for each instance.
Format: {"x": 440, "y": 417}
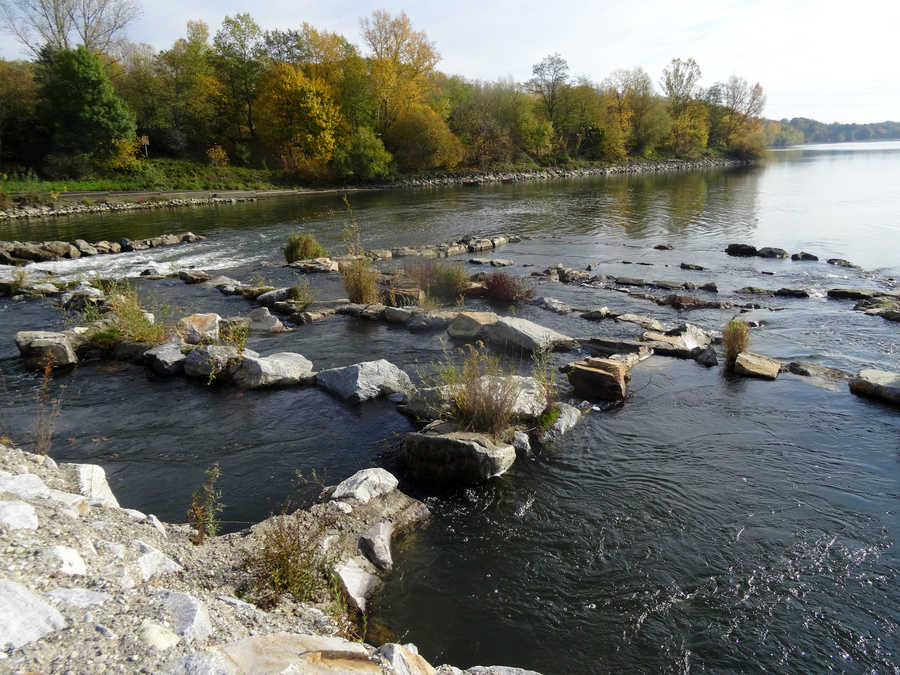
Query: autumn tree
{"x": 85, "y": 114}
{"x": 640, "y": 111}
{"x": 297, "y": 118}
{"x": 62, "y": 24}
{"x": 420, "y": 140}
{"x": 679, "y": 83}
{"x": 742, "y": 106}
{"x": 401, "y": 61}
{"x": 19, "y": 98}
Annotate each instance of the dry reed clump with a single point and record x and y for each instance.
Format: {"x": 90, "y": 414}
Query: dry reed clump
{"x": 359, "y": 275}
{"x": 303, "y": 247}
{"x": 503, "y": 287}
{"x": 735, "y": 338}
{"x": 438, "y": 279}
{"x": 482, "y": 393}
{"x": 46, "y": 412}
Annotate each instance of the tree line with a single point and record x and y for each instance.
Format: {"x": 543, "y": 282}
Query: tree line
{"x": 313, "y": 104}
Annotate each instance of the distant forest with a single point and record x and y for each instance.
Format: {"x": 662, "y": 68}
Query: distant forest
{"x": 804, "y": 130}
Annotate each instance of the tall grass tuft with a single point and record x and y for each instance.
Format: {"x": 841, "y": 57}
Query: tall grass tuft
{"x": 735, "y": 338}
{"x": 447, "y": 281}
{"x": 482, "y": 392}
{"x": 303, "y": 247}
{"x": 128, "y": 321}
{"x": 46, "y": 412}
{"x": 206, "y": 505}
{"x": 359, "y": 276}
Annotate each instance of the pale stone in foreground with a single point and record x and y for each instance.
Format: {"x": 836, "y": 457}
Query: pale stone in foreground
{"x": 366, "y": 485}
{"x": 757, "y": 365}
{"x": 17, "y": 515}
{"x": 24, "y": 617}
{"x": 881, "y": 384}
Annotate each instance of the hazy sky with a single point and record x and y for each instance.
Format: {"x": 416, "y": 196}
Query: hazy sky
{"x": 829, "y": 60}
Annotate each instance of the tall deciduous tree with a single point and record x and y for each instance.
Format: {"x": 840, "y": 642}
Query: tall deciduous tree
{"x": 240, "y": 60}
{"x": 61, "y": 24}
{"x": 18, "y": 107}
{"x": 421, "y": 140}
{"x": 86, "y": 115}
{"x": 679, "y": 82}
{"x": 550, "y": 78}
{"x": 401, "y": 62}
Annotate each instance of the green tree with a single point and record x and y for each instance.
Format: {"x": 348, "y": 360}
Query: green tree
{"x": 84, "y": 112}
{"x": 648, "y": 117}
{"x": 239, "y": 60}
{"x": 550, "y": 78}
{"x": 19, "y": 98}
{"x": 690, "y": 130}
{"x": 679, "y": 83}
{"x": 362, "y": 156}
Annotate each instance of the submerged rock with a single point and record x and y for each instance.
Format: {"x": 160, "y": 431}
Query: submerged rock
{"x": 804, "y": 256}
{"x": 878, "y": 384}
{"x": 568, "y": 417}
{"x": 364, "y": 381}
{"x": 456, "y": 457}
{"x": 772, "y": 252}
{"x": 757, "y": 365}
{"x": 553, "y": 305}
{"x": 840, "y": 262}
{"x": 744, "y": 250}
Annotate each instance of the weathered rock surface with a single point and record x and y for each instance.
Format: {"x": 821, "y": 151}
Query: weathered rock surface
{"x": 166, "y": 359}
{"x": 471, "y": 324}
{"x": 840, "y": 262}
{"x": 261, "y": 320}
{"x": 24, "y": 617}
{"x": 804, "y": 256}
{"x": 772, "y": 252}
{"x": 194, "y": 276}
{"x": 512, "y": 332}
{"x": 603, "y": 379}
{"x": 757, "y": 365}
{"x": 366, "y": 485}
{"x": 40, "y": 348}
{"x": 364, "y": 381}
{"x": 199, "y": 328}
{"x": 878, "y": 384}
{"x": 569, "y": 416}
{"x": 375, "y": 544}
{"x": 93, "y": 485}
{"x": 553, "y": 305}
{"x": 277, "y": 370}
{"x": 315, "y": 265}
{"x": 644, "y": 322}
{"x": 743, "y": 250}
{"x": 215, "y": 362}
{"x": 684, "y": 342}
{"x": 456, "y": 457}
{"x": 17, "y": 515}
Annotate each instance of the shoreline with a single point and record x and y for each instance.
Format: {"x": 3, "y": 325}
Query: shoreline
{"x": 114, "y": 202}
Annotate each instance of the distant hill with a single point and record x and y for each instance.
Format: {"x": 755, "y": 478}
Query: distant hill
{"x": 814, "y": 131}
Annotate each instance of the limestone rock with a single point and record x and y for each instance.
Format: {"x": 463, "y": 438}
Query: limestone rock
{"x": 757, "y": 365}
{"x": 80, "y": 597}
{"x": 24, "y": 617}
{"x": 603, "y": 379}
{"x": 17, "y": 515}
{"x": 684, "y": 342}
{"x": 609, "y": 346}
{"x": 199, "y": 328}
{"x": 222, "y": 362}
{"x": 157, "y": 636}
{"x": 153, "y": 562}
{"x": 67, "y": 559}
{"x": 404, "y": 661}
{"x": 596, "y": 314}
{"x": 24, "y": 486}
{"x": 269, "y": 298}
{"x": 261, "y": 320}
{"x": 644, "y": 322}
{"x": 278, "y": 370}
{"x": 470, "y": 325}
{"x": 364, "y": 381}
{"x": 399, "y": 314}
{"x": 357, "y": 581}
{"x": 166, "y": 359}
{"x": 526, "y": 335}
{"x": 553, "y": 305}
{"x": 93, "y": 485}
{"x": 375, "y": 544}
{"x": 366, "y": 485}
{"x": 803, "y": 255}
{"x": 193, "y": 276}
{"x": 569, "y": 416}
{"x": 190, "y": 616}
{"x": 432, "y": 320}
{"x": 456, "y": 457}
{"x": 77, "y": 503}
{"x": 880, "y": 384}
{"x": 39, "y": 348}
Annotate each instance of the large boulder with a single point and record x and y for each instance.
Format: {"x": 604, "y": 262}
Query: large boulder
{"x": 772, "y": 252}
{"x": 166, "y": 359}
{"x": 278, "y": 370}
{"x": 512, "y": 332}
{"x": 364, "y": 381}
{"x": 879, "y": 384}
{"x": 757, "y": 365}
{"x": 744, "y": 250}
{"x": 199, "y": 328}
{"x": 470, "y": 325}
{"x": 456, "y": 457}
{"x": 603, "y": 379}
{"x": 40, "y": 348}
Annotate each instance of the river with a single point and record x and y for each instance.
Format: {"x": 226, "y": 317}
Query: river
{"x": 710, "y": 524}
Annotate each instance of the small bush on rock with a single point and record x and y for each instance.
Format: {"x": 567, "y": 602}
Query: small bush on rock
{"x": 480, "y": 403}
{"x": 300, "y": 292}
{"x": 128, "y": 319}
{"x": 303, "y": 247}
{"x": 438, "y": 279}
{"x": 735, "y": 338}
{"x": 501, "y": 286}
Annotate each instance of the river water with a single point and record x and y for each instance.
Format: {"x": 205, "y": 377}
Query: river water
{"x": 709, "y": 524}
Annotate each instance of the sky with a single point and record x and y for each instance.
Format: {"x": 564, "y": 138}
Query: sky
{"x": 827, "y": 60}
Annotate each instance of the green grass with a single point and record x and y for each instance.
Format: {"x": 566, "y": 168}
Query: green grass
{"x": 303, "y": 246}
{"x": 158, "y": 174}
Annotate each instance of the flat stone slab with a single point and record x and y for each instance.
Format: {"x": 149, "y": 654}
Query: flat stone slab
{"x": 364, "y": 381}
{"x": 526, "y": 335}
{"x": 166, "y": 359}
{"x": 39, "y": 348}
{"x": 603, "y": 379}
{"x": 879, "y": 384}
{"x": 277, "y": 370}
{"x": 471, "y": 324}
{"x": 757, "y": 365}
{"x": 17, "y": 515}
{"x": 358, "y": 582}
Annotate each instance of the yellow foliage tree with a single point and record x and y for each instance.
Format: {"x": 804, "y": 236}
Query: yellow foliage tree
{"x": 297, "y": 117}
{"x": 421, "y": 140}
{"x": 401, "y": 64}
{"x": 690, "y": 130}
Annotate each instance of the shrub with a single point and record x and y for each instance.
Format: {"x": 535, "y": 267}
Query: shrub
{"x": 303, "y": 247}
{"x": 543, "y": 372}
{"x": 481, "y": 391}
{"x": 287, "y": 561}
{"x": 128, "y": 320}
{"x": 300, "y": 292}
{"x": 217, "y": 156}
{"x": 438, "y": 279}
{"x": 501, "y": 286}
{"x": 206, "y": 505}
{"x": 735, "y": 338}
